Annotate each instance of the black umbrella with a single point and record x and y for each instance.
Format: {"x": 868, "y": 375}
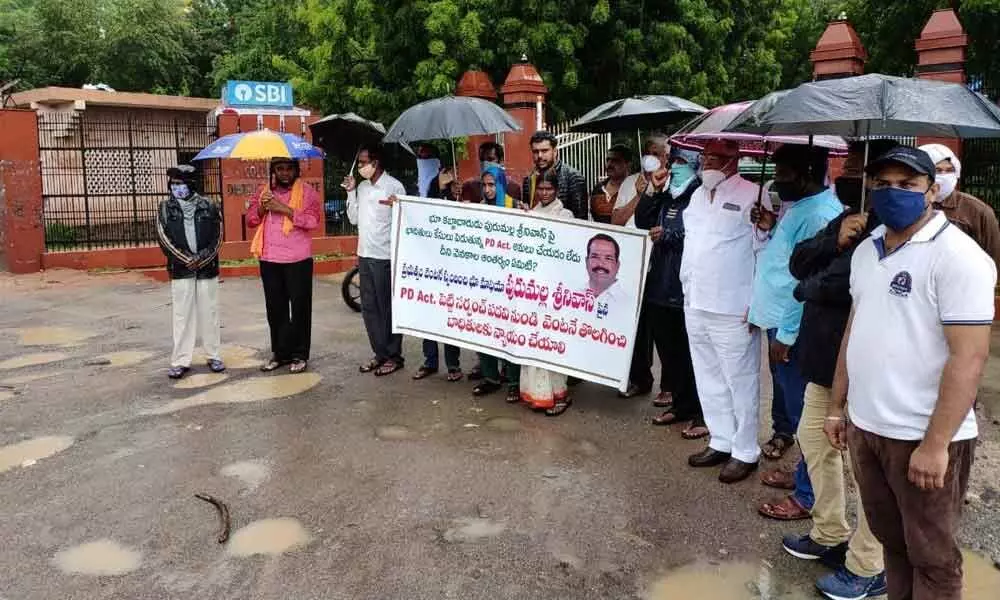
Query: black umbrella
{"x": 448, "y": 118}
{"x": 637, "y": 112}
{"x": 876, "y": 106}
{"x": 341, "y": 135}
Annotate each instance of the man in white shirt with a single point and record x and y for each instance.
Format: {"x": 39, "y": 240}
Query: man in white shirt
{"x": 635, "y": 185}
{"x": 908, "y": 371}
{"x": 717, "y": 270}
{"x": 369, "y": 208}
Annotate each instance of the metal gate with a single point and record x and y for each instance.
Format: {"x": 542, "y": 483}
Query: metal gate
{"x": 981, "y": 158}
{"x": 103, "y": 177}
{"x": 587, "y": 152}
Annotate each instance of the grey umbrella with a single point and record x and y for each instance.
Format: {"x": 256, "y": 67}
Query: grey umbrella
{"x": 448, "y": 118}
{"x": 877, "y": 105}
{"x": 637, "y": 112}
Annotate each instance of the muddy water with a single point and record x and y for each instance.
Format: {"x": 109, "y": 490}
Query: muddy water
{"x": 53, "y": 336}
{"x": 269, "y": 537}
{"x": 5, "y": 395}
{"x": 26, "y": 453}
{"x": 251, "y": 473}
{"x": 31, "y": 360}
{"x": 255, "y": 389}
{"x": 982, "y": 578}
{"x": 235, "y": 357}
{"x": 127, "y": 358}
{"x": 472, "y": 530}
{"x": 729, "y": 581}
{"x": 394, "y": 433}
{"x": 102, "y": 557}
{"x": 22, "y": 379}
{"x": 200, "y": 380}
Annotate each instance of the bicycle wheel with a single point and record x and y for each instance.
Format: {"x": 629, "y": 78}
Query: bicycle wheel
{"x": 350, "y": 289}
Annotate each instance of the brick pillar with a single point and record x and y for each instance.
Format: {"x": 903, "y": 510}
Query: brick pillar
{"x": 241, "y": 179}
{"x": 941, "y": 56}
{"x": 22, "y": 232}
{"x": 522, "y": 92}
{"x": 839, "y": 52}
{"x": 475, "y": 84}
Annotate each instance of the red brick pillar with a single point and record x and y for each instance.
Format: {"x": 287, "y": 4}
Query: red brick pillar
{"x": 475, "y": 84}
{"x": 22, "y": 232}
{"x": 941, "y": 56}
{"x": 523, "y": 92}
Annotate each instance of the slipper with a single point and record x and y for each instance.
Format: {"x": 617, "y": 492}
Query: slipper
{"x": 777, "y": 446}
{"x": 633, "y": 391}
{"x": 559, "y": 408}
{"x": 298, "y": 366}
{"x": 513, "y": 395}
{"x": 216, "y": 365}
{"x": 788, "y": 509}
{"x": 668, "y": 417}
{"x": 664, "y": 400}
{"x": 387, "y": 368}
{"x": 485, "y": 388}
{"x": 370, "y": 366}
{"x": 424, "y": 372}
{"x": 454, "y": 375}
{"x": 778, "y": 479}
{"x": 695, "y": 431}
{"x": 272, "y": 365}
{"x": 476, "y": 373}
{"x": 177, "y": 372}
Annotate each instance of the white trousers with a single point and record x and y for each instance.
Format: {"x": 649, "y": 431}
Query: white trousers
{"x": 196, "y": 310}
{"x": 726, "y": 359}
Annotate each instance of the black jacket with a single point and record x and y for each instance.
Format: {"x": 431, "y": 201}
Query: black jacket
{"x": 824, "y": 275}
{"x": 173, "y": 240}
{"x": 572, "y": 190}
{"x": 663, "y": 285}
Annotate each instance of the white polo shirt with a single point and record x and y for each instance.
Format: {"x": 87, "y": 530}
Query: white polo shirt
{"x": 902, "y": 301}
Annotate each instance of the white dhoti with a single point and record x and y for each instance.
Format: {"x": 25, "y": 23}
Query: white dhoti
{"x": 196, "y": 311}
{"x": 726, "y": 359}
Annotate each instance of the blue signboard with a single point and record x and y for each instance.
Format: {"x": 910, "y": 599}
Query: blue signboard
{"x": 258, "y": 94}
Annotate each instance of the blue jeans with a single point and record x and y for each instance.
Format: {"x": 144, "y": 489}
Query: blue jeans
{"x": 451, "y": 356}
{"x": 789, "y": 398}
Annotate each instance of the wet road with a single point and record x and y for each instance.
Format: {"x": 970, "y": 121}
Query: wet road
{"x": 345, "y": 486}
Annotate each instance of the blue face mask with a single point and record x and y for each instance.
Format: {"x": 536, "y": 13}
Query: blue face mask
{"x": 681, "y": 176}
{"x": 898, "y": 208}
{"x": 179, "y": 191}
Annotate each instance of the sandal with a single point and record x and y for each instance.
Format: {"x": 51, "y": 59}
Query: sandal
{"x": 668, "y": 417}
{"x": 298, "y": 366}
{"x": 559, "y": 408}
{"x": 216, "y": 365}
{"x": 513, "y": 395}
{"x": 788, "y": 509}
{"x": 177, "y": 372}
{"x": 370, "y": 366}
{"x": 485, "y": 388}
{"x": 388, "y": 368}
{"x": 777, "y": 446}
{"x": 664, "y": 400}
{"x": 454, "y": 375}
{"x": 778, "y": 479}
{"x": 476, "y": 373}
{"x": 632, "y": 391}
{"x": 696, "y": 430}
{"x": 424, "y": 372}
{"x": 272, "y": 365}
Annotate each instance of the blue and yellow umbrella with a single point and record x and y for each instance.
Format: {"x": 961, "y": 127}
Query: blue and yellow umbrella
{"x": 263, "y": 144}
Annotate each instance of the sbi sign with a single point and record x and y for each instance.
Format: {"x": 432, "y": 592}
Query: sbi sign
{"x": 260, "y": 94}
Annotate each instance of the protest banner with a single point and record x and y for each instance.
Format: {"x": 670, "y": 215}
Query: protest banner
{"x": 558, "y": 294}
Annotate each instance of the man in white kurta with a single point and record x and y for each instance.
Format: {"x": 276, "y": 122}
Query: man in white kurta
{"x": 717, "y": 270}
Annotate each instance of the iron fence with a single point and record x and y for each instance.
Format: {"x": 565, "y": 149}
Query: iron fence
{"x": 104, "y": 177}
{"x": 981, "y": 158}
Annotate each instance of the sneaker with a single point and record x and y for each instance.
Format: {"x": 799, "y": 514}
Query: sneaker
{"x": 844, "y": 585}
{"x": 803, "y": 546}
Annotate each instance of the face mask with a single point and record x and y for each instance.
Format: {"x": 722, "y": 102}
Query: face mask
{"x": 849, "y": 191}
{"x": 711, "y": 178}
{"x": 788, "y": 191}
{"x": 897, "y": 208}
{"x": 367, "y": 171}
{"x": 179, "y": 191}
{"x": 948, "y": 182}
{"x": 650, "y": 163}
{"x": 681, "y": 176}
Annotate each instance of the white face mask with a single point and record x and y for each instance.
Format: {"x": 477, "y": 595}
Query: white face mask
{"x": 711, "y": 178}
{"x": 650, "y": 163}
{"x": 948, "y": 182}
{"x": 367, "y": 171}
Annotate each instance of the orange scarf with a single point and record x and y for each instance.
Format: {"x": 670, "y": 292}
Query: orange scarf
{"x": 295, "y": 203}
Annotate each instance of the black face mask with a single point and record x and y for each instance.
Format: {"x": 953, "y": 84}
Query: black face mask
{"x": 849, "y": 190}
{"x": 788, "y": 191}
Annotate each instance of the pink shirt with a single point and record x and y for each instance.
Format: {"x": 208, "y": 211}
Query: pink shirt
{"x": 297, "y": 245}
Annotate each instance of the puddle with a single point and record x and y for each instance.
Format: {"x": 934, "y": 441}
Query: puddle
{"x": 22, "y": 379}
{"x": 5, "y": 395}
{"x": 102, "y": 557}
{"x": 251, "y": 473}
{"x": 256, "y": 389}
{"x": 394, "y": 433}
{"x": 471, "y": 530}
{"x": 127, "y": 358}
{"x": 235, "y": 357}
{"x": 269, "y": 537}
{"x": 28, "y": 452}
{"x": 982, "y": 578}
{"x": 200, "y": 380}
{"x": 729, "y": 581}
{"x": 31, "y": 360}
{"x": 53, "y": 336}
{"x": 503, "y": 424}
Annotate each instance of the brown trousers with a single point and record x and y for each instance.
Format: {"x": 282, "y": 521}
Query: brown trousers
{"x": 916, "y": 527}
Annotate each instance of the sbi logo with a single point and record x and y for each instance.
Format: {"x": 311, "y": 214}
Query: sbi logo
{"x": 253, "y": 93}
{"x": 243, "y": 92}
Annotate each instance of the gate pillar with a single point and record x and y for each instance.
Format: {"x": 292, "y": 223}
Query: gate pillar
{"x": 22, "y": 235}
